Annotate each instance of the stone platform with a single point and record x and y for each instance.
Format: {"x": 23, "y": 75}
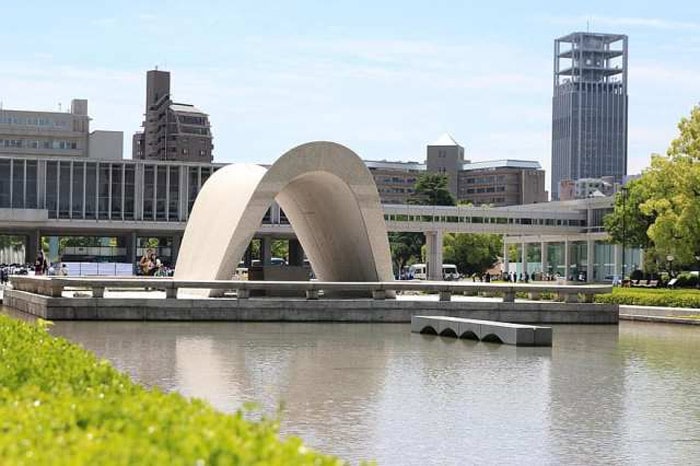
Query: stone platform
{"x": 483, "y": 330}
{"x": 154, "y": 306}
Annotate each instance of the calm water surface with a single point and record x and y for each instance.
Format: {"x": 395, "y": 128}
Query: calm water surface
{"x": 600, "y": 395}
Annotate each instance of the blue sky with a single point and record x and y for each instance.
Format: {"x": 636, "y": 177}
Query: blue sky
{"x": 383, "y": 78}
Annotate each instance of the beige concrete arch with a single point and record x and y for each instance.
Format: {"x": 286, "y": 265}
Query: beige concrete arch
{"x": 329, "y": 197}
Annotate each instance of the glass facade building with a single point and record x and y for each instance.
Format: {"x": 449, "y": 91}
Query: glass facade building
{"x": 102, "y": 190}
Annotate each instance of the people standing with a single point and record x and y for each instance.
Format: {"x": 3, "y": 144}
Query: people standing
{"x": 145, "y": 264}
{"x": 41, "y": 266}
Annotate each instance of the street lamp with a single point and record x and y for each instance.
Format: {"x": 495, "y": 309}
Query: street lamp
{"x": 669, "y": 259}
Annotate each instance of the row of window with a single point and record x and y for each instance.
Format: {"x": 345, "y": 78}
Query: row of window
{"x": 32, "y": 121}
{"x": 395, "y": 179}
{"x": 39, "y": 144}
{"x": 495, "y": 220}
{"x": 490, "y": 189}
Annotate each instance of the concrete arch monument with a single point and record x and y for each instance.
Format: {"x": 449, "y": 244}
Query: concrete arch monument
{"x": 329, "y": 197}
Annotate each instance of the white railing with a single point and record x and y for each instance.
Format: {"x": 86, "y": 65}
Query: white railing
{"x": 54, "y": 287}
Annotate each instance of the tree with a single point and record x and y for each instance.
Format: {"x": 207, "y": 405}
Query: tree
{"x": 472, "y": 253}
{"x": 432, "y": 189}
{"x": 662, "y": 209}
{"x": 405, "y": 249}
{"x": 627, "y": 223}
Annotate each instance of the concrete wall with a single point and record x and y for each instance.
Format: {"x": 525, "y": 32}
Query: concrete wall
{"x": 106, "y": 145}
{"x": 286, "y": 310}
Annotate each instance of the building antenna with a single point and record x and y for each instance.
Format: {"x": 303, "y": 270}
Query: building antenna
{"x": 588, "y": 25}
{"x": 59, "y": 106}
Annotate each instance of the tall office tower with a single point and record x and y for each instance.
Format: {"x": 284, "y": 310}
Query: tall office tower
{"x": 589, "y": 107}
{"x": 171, "y": 131}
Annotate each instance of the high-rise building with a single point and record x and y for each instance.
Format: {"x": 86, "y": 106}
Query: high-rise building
{"x": 589, "y": 107}
{"x": 171, "y": 131}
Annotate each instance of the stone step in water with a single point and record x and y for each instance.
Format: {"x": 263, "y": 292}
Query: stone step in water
{"x": 483, "y": 330}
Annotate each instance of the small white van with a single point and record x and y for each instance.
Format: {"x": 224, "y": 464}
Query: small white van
{"x": 449, "y": 272}
{"x": 420, "y": 272}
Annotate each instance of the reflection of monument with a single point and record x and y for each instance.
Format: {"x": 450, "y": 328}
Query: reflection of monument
{"x": 326, "y": 192}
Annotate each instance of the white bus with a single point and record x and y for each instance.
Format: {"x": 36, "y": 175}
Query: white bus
{"x": 420, "y": 272}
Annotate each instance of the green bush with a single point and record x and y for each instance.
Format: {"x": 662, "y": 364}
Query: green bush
{"x": 60, "y": 405}
{"x": 651, "y": 297}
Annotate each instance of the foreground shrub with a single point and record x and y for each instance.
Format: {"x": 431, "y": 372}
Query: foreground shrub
{"x": 651, "y": 297}
{"x": 61, "y": 405}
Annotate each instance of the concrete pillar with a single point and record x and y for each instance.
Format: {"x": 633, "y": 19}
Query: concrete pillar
{"x": 505, "y": 256}
{"x": 296, "y": 253}
{"x": 590, "y": 258}
{"x": 523, "y": 258}
{"x": 177, "y": 241}
{"x": 130, "y": 243}
{"x": 266, "y": 250}
{"x": 567, "y": 265}
{"x": 32, "y": 249}
{"x": 543, "y": 256}
{"x": 52, "y": 255}
{"x": 433, "y": 247}
{"x": 248, "y": 255}
{"x": 617, "y": 260}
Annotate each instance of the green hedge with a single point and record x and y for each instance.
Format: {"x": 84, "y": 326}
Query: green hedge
{"x": 652, "y": 297}
{"x": 60, "y": 405}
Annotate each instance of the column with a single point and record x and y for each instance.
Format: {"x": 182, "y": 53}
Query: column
{"x": 617, "y": 260}
{"x": 567, "y": 265}
{"x": 543, "y": 256}
{"x": 505, "y": 256}
{"x": 296, "y": 253}
{"x": 32, "y": 250}
{"x": 130, "y": 245}
{"x": 248, "y": 255}
{"x": 177, "y": 241}
{"x": 52, "y": 256}
{"x": 590, "y": 258}
{"x": 523, "y": 258}
{"x": 433, "y": 247}
{"x": 266, "y": 251}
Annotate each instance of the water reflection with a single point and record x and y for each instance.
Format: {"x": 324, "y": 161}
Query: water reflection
{"x": 601, "y": 394}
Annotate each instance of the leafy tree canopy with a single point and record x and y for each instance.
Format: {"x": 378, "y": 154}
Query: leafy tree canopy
{"x": 472, "y": 253}
{"x": 664, "y": 204}
{"x": 432, "y": 189}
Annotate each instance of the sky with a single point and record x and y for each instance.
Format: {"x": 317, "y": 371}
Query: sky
{"x": 384, "y": 78}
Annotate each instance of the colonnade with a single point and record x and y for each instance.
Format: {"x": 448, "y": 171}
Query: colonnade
{"x": 584, "y": 257}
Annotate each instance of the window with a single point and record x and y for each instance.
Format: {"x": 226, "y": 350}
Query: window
{"x": 17, "y": 184}
{"x": 78, "y": 178}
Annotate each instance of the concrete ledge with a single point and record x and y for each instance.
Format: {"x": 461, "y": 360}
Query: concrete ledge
{"x": 303, "y": 310}
{"x": 660, "y": 319}
{"x": 484, "y": 330}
